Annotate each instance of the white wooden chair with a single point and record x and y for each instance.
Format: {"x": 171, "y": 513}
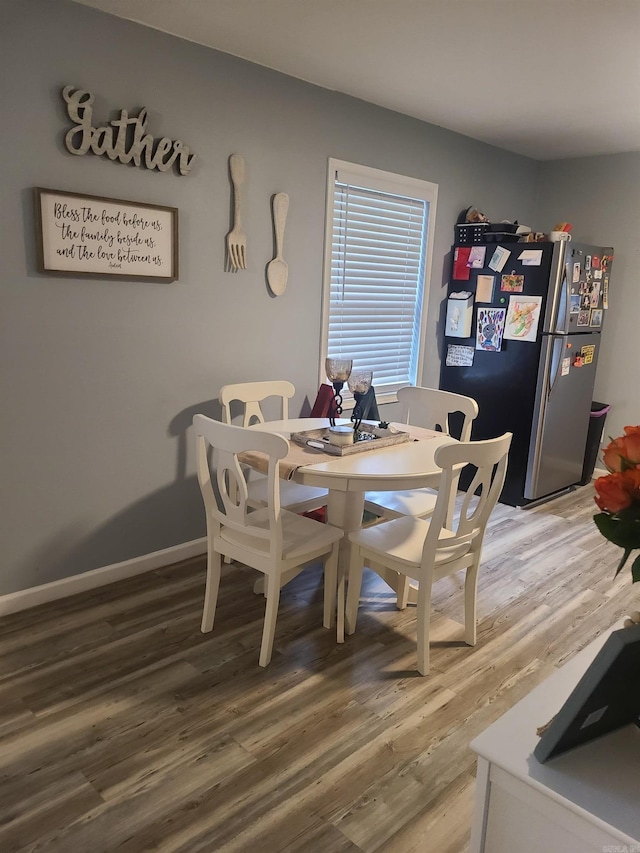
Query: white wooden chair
{"x": 271, "y": 540}
{"x": 429, "y": 408}
{"x": 293, "y": 496}
{"x": 427, "y": 550}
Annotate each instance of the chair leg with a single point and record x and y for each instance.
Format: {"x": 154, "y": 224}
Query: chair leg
{"x": 330, "y": 584}
{"x": 470, "y": 601}
{"x": 402, "y": 592}
{"x": 211, "y": 591}
{"x": 356, "y": 566}
{"x": 270, "y": 615}
{"x": 423, "y": 623}
{"x": 341, "y": 606}
{"x": 341, "y": 611}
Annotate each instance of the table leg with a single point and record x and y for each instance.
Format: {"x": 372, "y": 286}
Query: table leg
{"x": 344, "y": 510}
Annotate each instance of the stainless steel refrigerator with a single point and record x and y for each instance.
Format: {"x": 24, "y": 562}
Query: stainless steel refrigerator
{"x": 537, "y": 384}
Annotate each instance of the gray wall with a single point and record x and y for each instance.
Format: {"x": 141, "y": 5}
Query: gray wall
{"x": 600, "y": 196}
{"x": 100, "y": 379}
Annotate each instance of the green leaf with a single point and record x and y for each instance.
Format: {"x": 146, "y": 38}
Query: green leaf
{"x": 624, "y": 559}
{"x": 623, "y": 528}
{"x": 635, "y": 569}
{"x": 605, "y": 524}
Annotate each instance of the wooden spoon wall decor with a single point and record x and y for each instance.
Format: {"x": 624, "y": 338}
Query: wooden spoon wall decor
{"x": 277, "y": 269}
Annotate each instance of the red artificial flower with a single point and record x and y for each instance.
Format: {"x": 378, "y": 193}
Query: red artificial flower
{"x": 623, "y": 452}
{"x": 618, "y": 491}
{"x": 618, "y": 497}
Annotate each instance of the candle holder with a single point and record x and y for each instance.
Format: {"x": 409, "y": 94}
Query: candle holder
{"x": 359, "y": 385}
{"x": 338, "y": 371}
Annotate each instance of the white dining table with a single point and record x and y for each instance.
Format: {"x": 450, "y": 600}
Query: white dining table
{"x": 348, "y": 477}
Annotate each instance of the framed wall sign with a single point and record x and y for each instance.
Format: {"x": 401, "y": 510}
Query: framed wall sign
{"x": 96, "y": 236}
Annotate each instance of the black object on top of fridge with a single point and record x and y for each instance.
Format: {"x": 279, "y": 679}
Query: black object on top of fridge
{"x": 522, "y": 337}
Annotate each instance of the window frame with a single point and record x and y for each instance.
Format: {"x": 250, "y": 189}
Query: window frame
{"x": 377, "y": 179}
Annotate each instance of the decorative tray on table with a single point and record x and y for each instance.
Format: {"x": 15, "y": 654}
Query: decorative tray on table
{"x": 369, "y": 438}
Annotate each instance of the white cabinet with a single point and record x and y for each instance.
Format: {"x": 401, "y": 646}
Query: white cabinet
{"x": 583, "y": 801}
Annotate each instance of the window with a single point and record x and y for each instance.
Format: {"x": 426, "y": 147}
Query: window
{"x": 377, "y": 261}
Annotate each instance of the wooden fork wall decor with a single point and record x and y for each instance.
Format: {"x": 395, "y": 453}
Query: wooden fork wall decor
{"x": 236, "y": 238}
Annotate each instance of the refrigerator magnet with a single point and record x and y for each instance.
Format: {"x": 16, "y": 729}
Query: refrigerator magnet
{"x": 566, "y": 365}
{"x": 595, "y": 262}
{"x": 512, "y": 283}
{"x": 605, "y": 292}
{"x": 587, "y": 353}
{"x": 595, "y": 296}
{"x": 490, "y": 329}
{"x": 596, "y": 318}
{"x": 576, "y": 271}
{"x": 583, "y": 317}
{"x": 523, "y": 315}
{"x": 575, "y": 303}
{"x": 597, "y": 275}
{"x": 587, "y": 262}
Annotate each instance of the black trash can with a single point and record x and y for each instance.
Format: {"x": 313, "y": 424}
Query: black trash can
{"x": 594, "y": 436}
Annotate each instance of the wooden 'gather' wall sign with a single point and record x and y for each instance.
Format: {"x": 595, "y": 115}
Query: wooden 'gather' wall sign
{"x": 124, "y": 139}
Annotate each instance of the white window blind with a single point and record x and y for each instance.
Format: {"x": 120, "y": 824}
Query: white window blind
{"x": 379, "y": 240}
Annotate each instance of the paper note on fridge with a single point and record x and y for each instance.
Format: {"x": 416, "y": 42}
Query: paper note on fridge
{"x": 484, "y": 288}
{"x": 531, "y": 257}
{"x": 499, "y": 259}
{"x": 476, "y": 257}
{"x": 461, "y": 270}
{"x": 459, "y": 314}
{"x": 459, "y": 356}
{"x": 523, "y": 315}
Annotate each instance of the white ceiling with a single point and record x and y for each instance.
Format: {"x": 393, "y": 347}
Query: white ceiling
{"x": 544, "y": 78}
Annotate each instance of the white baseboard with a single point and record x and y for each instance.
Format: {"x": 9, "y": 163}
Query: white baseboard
{"x": 599, "y": 472}
{"x": 25, "y": 598}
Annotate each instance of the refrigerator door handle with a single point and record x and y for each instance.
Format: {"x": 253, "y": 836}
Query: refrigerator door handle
{"x": 562, "y": 317}
{"x": 556, "y": 364}
{"x": 557, "y": 313}
{"x": 550, "y": 369}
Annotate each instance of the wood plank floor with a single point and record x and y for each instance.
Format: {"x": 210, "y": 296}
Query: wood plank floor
{"x": 124, "y": 728}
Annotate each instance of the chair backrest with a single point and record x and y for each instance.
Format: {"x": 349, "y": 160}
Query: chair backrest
{"x": 232, "y": 510}
{"x": 490, "y": 460}
{"x": 252, "y": 394}
{"x": 430, "y": 408}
